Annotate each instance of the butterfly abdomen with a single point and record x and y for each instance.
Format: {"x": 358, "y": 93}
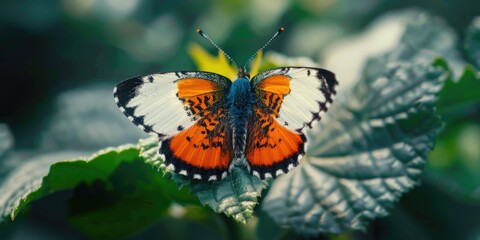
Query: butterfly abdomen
{"x": 240, "y": 103}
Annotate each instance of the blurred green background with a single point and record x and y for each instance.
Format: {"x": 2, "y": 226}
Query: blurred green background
{"x": 61, "y": 59}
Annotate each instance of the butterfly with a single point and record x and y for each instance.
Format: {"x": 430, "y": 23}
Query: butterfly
{"x": 207, "y": 124}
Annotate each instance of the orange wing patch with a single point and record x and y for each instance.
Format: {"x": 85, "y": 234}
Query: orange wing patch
{"x": 198, "y": 95}
{"x": 201, "y": 151}
{"x": 190, "y": 87}
{"x": 271, "y": 91}
{"x": 279, "y": 84}
{"x": 272, "y": 149}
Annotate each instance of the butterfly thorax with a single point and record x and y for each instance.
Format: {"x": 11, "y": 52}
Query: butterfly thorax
{"x": 240, "y": 103}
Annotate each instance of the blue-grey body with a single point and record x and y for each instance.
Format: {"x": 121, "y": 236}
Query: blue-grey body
{"x": 240, "y": 101}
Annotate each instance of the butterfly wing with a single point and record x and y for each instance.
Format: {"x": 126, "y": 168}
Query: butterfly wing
{"x": 204, "y": 150}
{"x": 165, "y": 104}
{"x": 272, "y": 149}
{"x": 186, "y": 110}
{"x": 288, "y": 100}
{"x": 296, "y": 96}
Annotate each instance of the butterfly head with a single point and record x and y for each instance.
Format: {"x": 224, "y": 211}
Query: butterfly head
{"x": 243, "y": 73}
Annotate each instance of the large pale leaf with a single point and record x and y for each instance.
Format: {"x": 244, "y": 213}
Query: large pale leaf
{"x": 429, "y": 37}
{"x": 235, "y": 196}
{"x": 370, "y": 148}
{"x": 424, "y": 40}
{"x": 87, "y": 119}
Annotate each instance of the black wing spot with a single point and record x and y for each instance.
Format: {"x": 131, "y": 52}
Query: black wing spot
{"x": 180, "y": 128}
{"x": 150, "y": 79}
{"x": 326, "y": 91}
{"x": 308, "y": 72}
{"x": 323, "y": 106}
{"x": 194, "y": 112}
{"x": 329, "y": 77}
{"x": 127, "y": 90}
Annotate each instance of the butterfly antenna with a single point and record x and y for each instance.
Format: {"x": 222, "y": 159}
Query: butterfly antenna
{"x": 280, "y": 30}
{"x": 202, "y": 33}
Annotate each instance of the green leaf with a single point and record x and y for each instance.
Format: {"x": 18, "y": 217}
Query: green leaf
{"x": 235, "y": 196}
{"x": 115, "y": 193}
{"x": 63, "y": 174}
{"x": 369, "y": 150}
{"x": 67, "y": 127}
{"x": 133, "y": 198}
{"x": 371, "y": 146}
{"x": 472, "y": 42}
{"x": 460, "y": 97}
{"x": 426, "y": 38}
{"x": 26, "y": 179}
{"x": 432, "y": 38}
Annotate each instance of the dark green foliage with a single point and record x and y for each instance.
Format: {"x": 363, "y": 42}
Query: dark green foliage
{"x": 114, "y": 192}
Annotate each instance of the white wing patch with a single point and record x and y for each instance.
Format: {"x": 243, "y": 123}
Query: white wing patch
{"x": 311, "y": 92}
{"x": 151, "y": 102}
